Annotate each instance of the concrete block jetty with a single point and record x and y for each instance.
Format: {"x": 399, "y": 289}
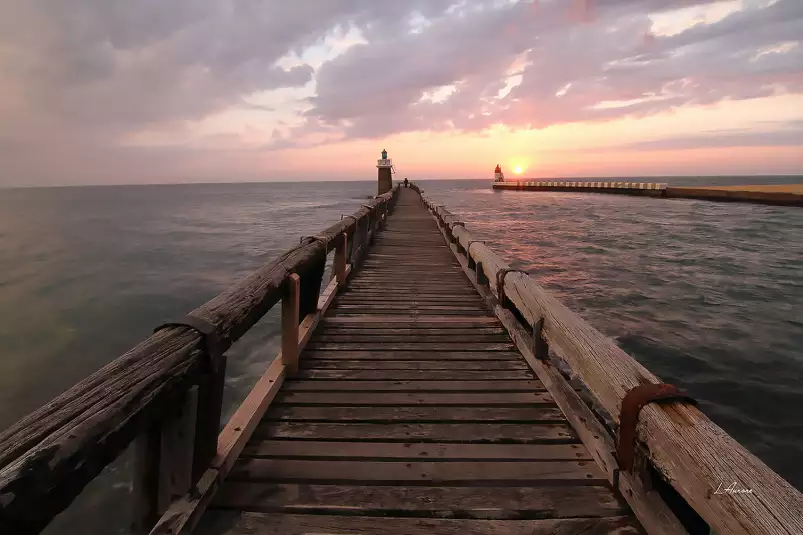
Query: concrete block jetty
{"x": 778, "y": 194}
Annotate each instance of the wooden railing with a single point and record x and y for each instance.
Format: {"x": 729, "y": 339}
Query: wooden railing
{"x": 165, "y": 394}
{"x": 676, "y": 443}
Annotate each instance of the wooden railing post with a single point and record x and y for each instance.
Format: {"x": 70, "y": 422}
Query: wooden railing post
{"x": 145, "y": 510}
{"x": 339, "y": 267}
{"x": 369, "y": 227}
{"x": 210, "y": 409}
{"x": 290, "y": 322}
{"x": 383, "y": 216}
{"x": 177, "y": 452}
{"x": 163, "y": 463}
{"x": 481, "y": 277}
{"x": 358, "y": 247}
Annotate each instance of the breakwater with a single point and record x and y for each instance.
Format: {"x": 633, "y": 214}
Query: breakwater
{"x": 784, "y": 195}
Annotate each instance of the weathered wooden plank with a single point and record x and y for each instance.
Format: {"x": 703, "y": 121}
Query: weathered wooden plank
{"x": 440, "y": 432}
{"x": 404, "y": 337}
{"x": 373, "y": 364}
{"x": 247, "y": 523}
{"x": 513, "y": 385}
{"x": 419, "y": 313}
{"x": 411, "y": 355}
{"x": 415, "y": 375}
{"x": 395, "y": 398}
{"x": 533, "y": 415}
{"x": 362, "y": 282}
{"x": 454, "y": 332}
{"x": 418, "y": 472}
{"x": 411, "y": 305}
{"x": 408, "y": 450}
{"x": 409, "y": 298}
{"x": 434, "y": 501}
{"x": 412, "y": 346}
{"x": 404, "y": 321}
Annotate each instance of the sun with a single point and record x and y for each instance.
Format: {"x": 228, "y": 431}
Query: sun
{"x": 518, "y": 170}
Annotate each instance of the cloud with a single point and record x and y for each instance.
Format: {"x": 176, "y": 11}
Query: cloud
{"x": 575, "y": 62}
{"x": 786, "y": 135}
{"x": 82, "y": 77}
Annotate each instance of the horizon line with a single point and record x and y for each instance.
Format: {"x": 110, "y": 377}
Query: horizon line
{"x": 490, "y": 179}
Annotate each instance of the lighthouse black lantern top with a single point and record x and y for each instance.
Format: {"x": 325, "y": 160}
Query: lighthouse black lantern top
{"x": 384, "y": 154}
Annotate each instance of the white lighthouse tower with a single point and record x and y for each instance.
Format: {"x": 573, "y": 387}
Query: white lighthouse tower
{"x": 385, "y": 167}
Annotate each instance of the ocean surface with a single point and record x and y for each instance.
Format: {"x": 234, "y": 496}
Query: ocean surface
{"x": 708, "y": 296}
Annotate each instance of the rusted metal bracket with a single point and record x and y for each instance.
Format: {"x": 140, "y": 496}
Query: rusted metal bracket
{"x": 500, "y": 284}
{"x": 632, "y": 403}
{"x": 214, "y": 346}
{"x": 323, "y": 239}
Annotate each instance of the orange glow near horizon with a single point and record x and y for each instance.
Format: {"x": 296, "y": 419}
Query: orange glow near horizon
{"x": 590, "y": 149}
{"x": 518, "y": 170}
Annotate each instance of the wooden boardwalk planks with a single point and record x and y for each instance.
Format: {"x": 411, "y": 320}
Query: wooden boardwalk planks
{"x": 413, "y": 412}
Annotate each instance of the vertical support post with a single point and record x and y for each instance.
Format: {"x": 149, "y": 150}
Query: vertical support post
{"x": 370, "y": 221}
{"x": 177, "y": 452}
{"x": 359, "y": 242}
{"x": 146, "y": 480}
{"x": 290, "y": 321}
{"x": 163, "y": 461}
{"x": 210, "y": 407}
{"x": 540, "y": 349}
{"x": 383, "y": 216}
{"x": 481, "y": 278}
{"x": 310, "y": 288}
{"x": 339, "y": 267}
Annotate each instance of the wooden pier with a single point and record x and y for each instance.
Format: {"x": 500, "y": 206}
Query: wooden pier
{"x": 426, "y": 388}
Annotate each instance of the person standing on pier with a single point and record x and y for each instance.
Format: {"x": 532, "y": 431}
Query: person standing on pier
{"x": 406, "y": 183}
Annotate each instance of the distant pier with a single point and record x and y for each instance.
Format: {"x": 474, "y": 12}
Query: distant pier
{"x": 779, "y": 194}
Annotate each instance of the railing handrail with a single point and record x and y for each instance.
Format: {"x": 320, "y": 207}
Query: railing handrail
{"x": 690, "y": 452}
{"x": 49, "y": 456}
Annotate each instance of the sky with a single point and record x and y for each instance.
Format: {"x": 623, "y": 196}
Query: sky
{"x": 155, "y": 91}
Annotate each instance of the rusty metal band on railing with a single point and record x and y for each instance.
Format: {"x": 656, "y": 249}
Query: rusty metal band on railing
{"x": 214, "y": 347}
{"x": 500, "y": 280}
{"x": 636, "y": 398}
{"x": 322, "y": 239}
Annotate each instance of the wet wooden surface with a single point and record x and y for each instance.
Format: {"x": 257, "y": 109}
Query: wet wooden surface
{"x": 413, "y": 412}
